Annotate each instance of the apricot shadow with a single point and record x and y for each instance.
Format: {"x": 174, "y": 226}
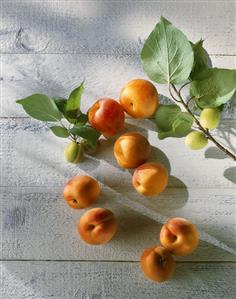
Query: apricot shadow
{"x": 132, "y": 225}
{"x": 174, "y": 197}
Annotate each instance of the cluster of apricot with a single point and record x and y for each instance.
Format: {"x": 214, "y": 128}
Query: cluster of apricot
{"x": 139, "y": 99}
{"x": 98, "y": 226}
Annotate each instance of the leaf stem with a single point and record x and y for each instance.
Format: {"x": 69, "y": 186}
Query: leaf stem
{"x": 173, "y": 97}
{"x": 185, "y": 84}
{"x": 205, "y": 131}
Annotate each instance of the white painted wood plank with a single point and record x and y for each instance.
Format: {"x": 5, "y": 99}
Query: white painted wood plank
{"x": 110, "y": 26}
{"x": 33, "y": 156}
{"x": 37, "y": 224}
{"x": 44, "y": 280}
{"x": 105, "y": 75}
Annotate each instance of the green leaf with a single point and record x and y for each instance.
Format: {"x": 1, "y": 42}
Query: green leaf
{"x": 73, "y": 104}
{"x": 60, "y": 131}
{"x": 167, "y": 55}
{"x": 165, "y": 116}
{"x": 202, "y": 59}
{"x": 171, "y": 122}
{"x": 86, "y": 132}
{"x": 82, "y": 119}
{"x": 60, "y": 102}
{"x": 213, "y": 87}
{"x": 41, "y": 107}
{"x": 182, "y": 124}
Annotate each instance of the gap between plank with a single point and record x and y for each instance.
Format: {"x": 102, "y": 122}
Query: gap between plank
{"x": 97, "y": 53}
{"x": 112, "y": 261}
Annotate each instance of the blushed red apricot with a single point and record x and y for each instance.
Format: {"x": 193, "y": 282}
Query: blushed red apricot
{"x": 107, "y": 116}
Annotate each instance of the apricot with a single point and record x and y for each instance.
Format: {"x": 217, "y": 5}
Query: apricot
{"x": 157, "y": 264}
{"x": 196, "y": 140}
{"x": 107, "y": 116}
{"x": 97, "y": 226}
{"x": 139, "y": 98}
{"x": 74, "y": 152}
{"x": 150, "y": 178}
{"x": 81, "y": 191}
{"x": 131, "y": 150}
{"x": 179, "y": 236}
{"x": 210, "y": 118}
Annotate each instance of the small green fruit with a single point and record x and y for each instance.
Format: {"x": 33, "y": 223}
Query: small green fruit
{"x": 196, "y": 140}
{"x": 210, "y": 118}
{"x": 74, "y": 152}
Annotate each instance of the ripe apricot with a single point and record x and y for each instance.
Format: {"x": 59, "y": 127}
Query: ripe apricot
{"x": 97, "y": 226}
{"x": 139, "y": 98}
{"x": 157, "y": 264}
{"x": 131, "y": 150}
{"x": 150, "y": 178}
{"x": 107, "y": 116}
{"x": 81, "y": 191}
{"x": 179, "y": 236}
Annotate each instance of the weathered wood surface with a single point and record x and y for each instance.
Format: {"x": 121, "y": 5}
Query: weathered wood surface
{"x": 105, "y": 75}
{"x": 38, "y": 224}
{"x": 110, "y": 26}
{"x": 89, "y": 280}
{"x": 100, "y": 41}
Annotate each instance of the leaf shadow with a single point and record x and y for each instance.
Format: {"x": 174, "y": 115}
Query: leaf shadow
{"x": 230, "y": 174}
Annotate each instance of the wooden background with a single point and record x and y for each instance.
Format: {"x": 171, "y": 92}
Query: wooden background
{"x": 50, "y": 47}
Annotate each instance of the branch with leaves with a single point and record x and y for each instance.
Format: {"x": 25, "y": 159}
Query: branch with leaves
{"x": 168, "y": 57}
{"x": 65, "y": 120}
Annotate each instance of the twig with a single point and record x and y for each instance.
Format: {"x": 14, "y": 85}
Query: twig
{"x": 205, "y": 131}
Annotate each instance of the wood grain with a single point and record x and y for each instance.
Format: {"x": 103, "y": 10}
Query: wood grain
{"x": 117, "y": 27}
{"x": 105, "y": 76}
{"x": 37, "y": 224}
{"x": 95, "y": 280}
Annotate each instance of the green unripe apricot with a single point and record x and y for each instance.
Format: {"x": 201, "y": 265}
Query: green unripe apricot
{"x": 74, "y": 152}
{"x": 210, "y": 118}
{"x": 196, "y": 140}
